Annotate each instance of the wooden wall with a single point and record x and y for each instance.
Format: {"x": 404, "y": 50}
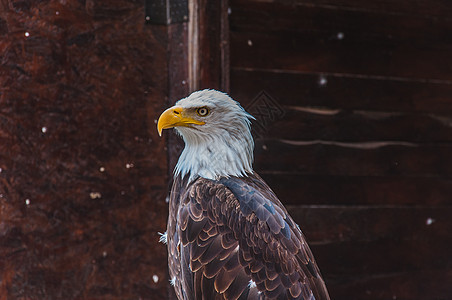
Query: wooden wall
{"x": 83, "y": 173}
{"x": 362, "y": 155}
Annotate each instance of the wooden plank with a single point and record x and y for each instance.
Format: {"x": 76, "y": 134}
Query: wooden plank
{"x": 396, "y": 252}
{"x": 210, "y": 61}
{"x": 356, "y": 42}
{"x": 360, "y": 258}
{"x": 357, "y": 245}
{"x": 378, "y": 26}
{"x": 342, "y": 92}
{"x": 365, "y": 89}
{"x": 305, "y": 123}
{"x": 354, "y": 159}
{"x": 3, "y": 26}
{"x": 359, "y": 242}
{"x": 434, "y": 8}
{"x": 178, "y": 87}
{"x": 417, "y": 285}
{"x": 314, "y": 53}
{"x": 334, "y": 224}
{"x": 358, "y": 190}
{"x": 83, "y": 172}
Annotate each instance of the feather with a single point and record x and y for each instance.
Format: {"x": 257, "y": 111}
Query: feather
{"x": 224, "y": 279}
{"x": 279, "y": 292}
{"x": 195, "y": 265}
{"x": 196, "y": 211}
{"x": 207, "y": 288}
{"x": 256, "y": 266}
{"x": 211, "y": 252}
{"x": 197, "y": 251}
{"x": 193, "y": 231}
{"x": 228, "y": 241}
{"x": 295, "y": 290}
{"x": 271, "y": 273}
{"x": 238, "y": 286}
{"x": 213, "y": 268}
{"x": 233, "y": 262}
{"x": 271, "y": 285}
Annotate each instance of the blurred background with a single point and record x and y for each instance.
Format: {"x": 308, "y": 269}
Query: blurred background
{"x": 353, "y": 102}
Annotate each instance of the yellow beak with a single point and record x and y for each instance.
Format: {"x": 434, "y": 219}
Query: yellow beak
{"x": 173, "y": 117}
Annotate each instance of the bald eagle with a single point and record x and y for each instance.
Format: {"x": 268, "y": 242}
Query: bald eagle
{"x": 228, "y": 235}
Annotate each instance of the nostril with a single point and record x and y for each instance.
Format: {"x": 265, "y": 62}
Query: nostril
{"x": 175, "y": 112}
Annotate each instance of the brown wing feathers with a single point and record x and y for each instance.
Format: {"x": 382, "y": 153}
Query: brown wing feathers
{"x": 240, "y": 242}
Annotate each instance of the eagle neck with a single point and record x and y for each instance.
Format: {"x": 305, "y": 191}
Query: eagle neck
{"x": 215, "y": 156}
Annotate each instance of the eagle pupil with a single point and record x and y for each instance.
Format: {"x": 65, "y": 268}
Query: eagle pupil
{"x": 203, "y": 111}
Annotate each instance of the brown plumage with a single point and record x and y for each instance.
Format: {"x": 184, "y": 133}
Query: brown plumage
{"x": 229, "y": 237}
{"x": 218, "y": 243}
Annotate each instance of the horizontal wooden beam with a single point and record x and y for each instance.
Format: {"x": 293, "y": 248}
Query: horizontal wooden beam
{"x": 304, "y": 38}
{"x": 302, "y": 189}
{"x": 426, "y": 9}
{"x": 331, "y": 158}
{"x": 342, "y": 91}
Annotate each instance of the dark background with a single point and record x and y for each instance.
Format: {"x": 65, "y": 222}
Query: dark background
{"x": 360, "y": 151}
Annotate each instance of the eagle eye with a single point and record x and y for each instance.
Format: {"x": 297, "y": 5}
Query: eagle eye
{"x": 202, "y": 111}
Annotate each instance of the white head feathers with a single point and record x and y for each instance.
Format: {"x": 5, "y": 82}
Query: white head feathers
{"x": 223, "y": 146}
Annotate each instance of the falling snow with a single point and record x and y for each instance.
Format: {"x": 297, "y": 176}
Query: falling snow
{"x": 155, "y": 278}
{"x": 429, "y": 221}
{"x": 323, "y": 81}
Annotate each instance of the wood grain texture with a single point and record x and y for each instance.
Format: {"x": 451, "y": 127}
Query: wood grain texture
{"x": 404, "y": 285}
{"x": 426, "y": 9}
{"x": 296, "y": 52}
{"x": 360, "y": 152}
{"x": 213, "y": 51}
{"x": 339, "y": 41}
{"x": 307, "y": 123}
{"x": 323, "y": 189}
{"x": 345, "y": 92}
{"x": 355, "y": 159}
{"x": 378, "y": 26}
{"x": 378, "y": 246}
{"x": 334, "y": 224}
{"x": 82, "y": 171}
{"x": 177, "y": 85}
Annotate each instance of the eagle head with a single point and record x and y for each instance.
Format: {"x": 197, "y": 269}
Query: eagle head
{"x": 216, "y": 132}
